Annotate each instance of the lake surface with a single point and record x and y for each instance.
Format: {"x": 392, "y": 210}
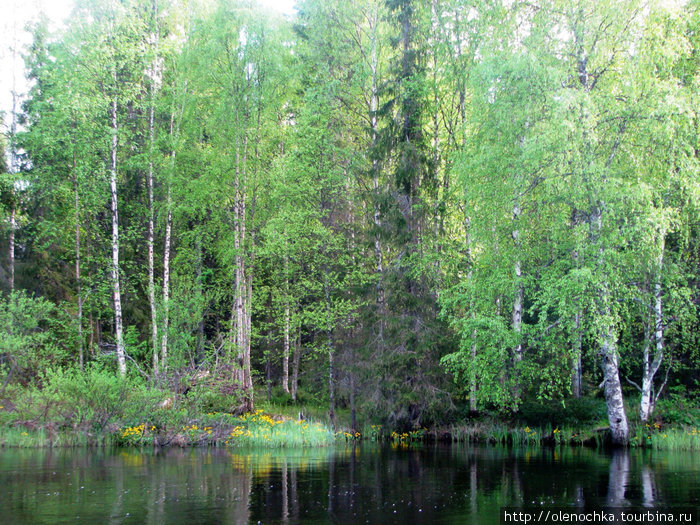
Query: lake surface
{"x": 366, "y": 483}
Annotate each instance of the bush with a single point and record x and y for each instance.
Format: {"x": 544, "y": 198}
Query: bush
{"x": 32, "y": 334}
{"x": 575, "y": 412}
{"x": 678, "y": 408}
{"x": 91, "y": 401}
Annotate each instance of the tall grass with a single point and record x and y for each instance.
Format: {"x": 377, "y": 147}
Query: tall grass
{"x": 259, "y": 429}
{"x": 255, "y": 429}
{"x": 40, "y": 438}
{"x": 676, "y": 438}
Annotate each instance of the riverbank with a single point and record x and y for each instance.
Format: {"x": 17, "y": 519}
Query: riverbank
{"x": 259, "y": 429}
{"x": 94, "y": 408}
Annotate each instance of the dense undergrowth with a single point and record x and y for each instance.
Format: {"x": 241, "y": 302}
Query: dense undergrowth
{"x": 74, "y": 408}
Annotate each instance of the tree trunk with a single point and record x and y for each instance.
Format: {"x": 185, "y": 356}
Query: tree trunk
{"x": 468, "y": 256}
{"x": 166, "y": 256}
{"x": 285, "y": 355}
{"x": 118, "y": 329}
{"x": 166, "y": 276}
{"x": 518, "y": 302}
{"x": 295, "y": 366}
{"x": 576, "y": 375}
{"x": 650, "y": 369}
{"x": 374, "y": 105}
{"x": 613, "y": 390}
{"x": 14, "y": 168}
{"x": 236, "y": 314}
{"x": 151, "y": 217}
{"x": 331, "y": 351}
{"x": 646, "y": 394}
{"x": 13, "y": 227}
{"x": 200, "y": 293}
{"x": 77, "y": 267}
{"x": 248, "y": 320}
{"x": 606, "y": 335}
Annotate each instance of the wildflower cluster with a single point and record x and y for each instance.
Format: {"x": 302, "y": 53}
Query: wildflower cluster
{"x": 348, "y": 436}
{"x": 258, "y": 428}
{"x": 375, "y": 432}
{"x": 530, "y": 435}
{"x": 404, "y": 438}
{"x": 134, "y": 435}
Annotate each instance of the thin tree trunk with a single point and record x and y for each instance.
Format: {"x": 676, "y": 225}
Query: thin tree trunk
{"x": 166, "y": 276}
{"x": 646, "y": 395}
{"x": 248, "y": 321}
{"x": 118, "y": 329}
{"x": 13, "y": 227}
{"x": 236, "y": 317}
{"x": 14, "y": 168}
{"x": 374, "y": 105}
{"x": 648, "y": 401}
{"x": 518, "y": 302}
{"x": 77, "y": 267}
{"x": 151, "y": 213}
{"x": 285, "y": 354}
{"x": 295, "y": 366}
{"x": 468, "y": 256}
{"x": 166, "y": 257}
{"x": 200, "y": 294}
{"x": 577, "y": 373}
{"x": 331, "y": 352}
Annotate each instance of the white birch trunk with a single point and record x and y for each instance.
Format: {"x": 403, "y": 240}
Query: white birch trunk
{"x": 151, "y": 217}
{"x": 617, "y": 418}
{"x": 14, "y": 168}
{"x": 517, "y": 316}
{"x": 118, "y": 329}
{"x": 295, "y": 366}
{"x": 248, "y": 320}
{"x": 647, "y": 402}
{"x": 11, "y": 240}
{"x": 166, "y": 276}
{"x": 285, "y": 354}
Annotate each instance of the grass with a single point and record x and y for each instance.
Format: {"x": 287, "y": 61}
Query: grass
{"x": 648, "y": 436}
{"x": 40, "y": 438}
{"x": 222, "y": 429}
{"x": 664, "y": 438}
{"x": 259, "y": 429}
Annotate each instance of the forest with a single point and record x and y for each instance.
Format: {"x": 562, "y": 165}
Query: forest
{"x": 408, "y": 213}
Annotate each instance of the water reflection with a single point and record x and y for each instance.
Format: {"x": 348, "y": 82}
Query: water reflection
{"x": 351, "y": 484}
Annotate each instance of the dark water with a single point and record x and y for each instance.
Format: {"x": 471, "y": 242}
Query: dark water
{"x": 363, "y": 484}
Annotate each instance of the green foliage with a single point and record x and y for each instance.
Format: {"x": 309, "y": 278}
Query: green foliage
{"x": 677, "y": 408}
{"x": 574, "y": 413}
{"x": 404, "y": 203}
{"x": 34, "y": 334}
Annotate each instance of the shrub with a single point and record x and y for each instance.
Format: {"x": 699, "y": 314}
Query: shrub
{"x": 32, "y": 334}
{"x": 574, "y": 412}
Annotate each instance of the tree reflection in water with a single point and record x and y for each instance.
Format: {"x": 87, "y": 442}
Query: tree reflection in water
{"x": 363, "y": 483}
